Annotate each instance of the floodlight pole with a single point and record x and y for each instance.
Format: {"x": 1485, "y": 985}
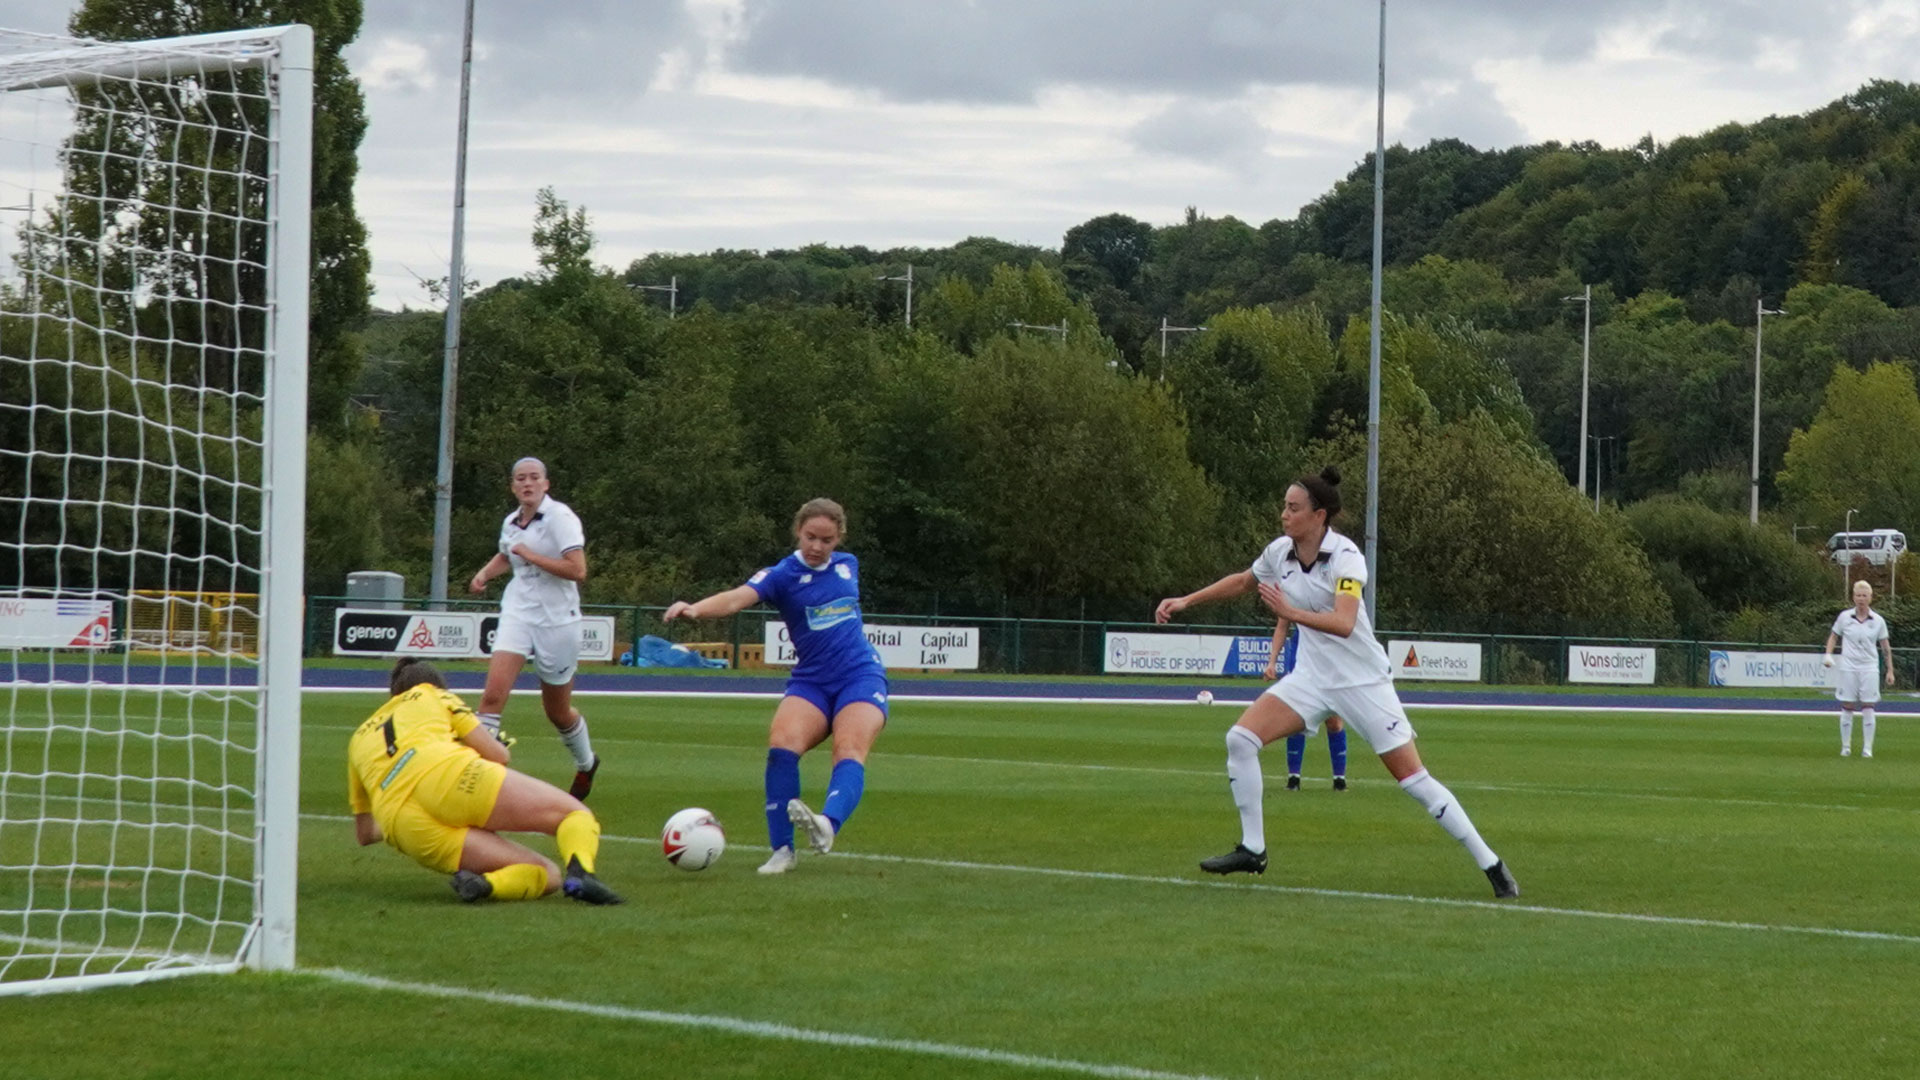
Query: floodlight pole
{"x": 1048, "y": 327}
{"x": 908, "y": 278}
{"x": 450, "y": 362}
{"x": 1846, "y": 568}
{"x": 1760, "y": 313}
{"x": 671, "y": 288}
{"x": 1373, "y": 353}
{"x": 1164, "y": 331}
{"x": 1585, "y": 300}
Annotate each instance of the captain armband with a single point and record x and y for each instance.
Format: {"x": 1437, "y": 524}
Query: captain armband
{"x": 1347, "y": 587}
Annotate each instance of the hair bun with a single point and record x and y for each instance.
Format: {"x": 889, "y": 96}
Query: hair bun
{"x": 1331, "y": 475}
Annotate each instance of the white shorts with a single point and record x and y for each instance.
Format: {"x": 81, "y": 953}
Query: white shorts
{"x": 1373, "y": 710}
{"x": 554, "y": 650}
{"x": 1856, "y": 684}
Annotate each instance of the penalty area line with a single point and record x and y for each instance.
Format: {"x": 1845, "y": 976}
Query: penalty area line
{"x": 756, "y": 1029}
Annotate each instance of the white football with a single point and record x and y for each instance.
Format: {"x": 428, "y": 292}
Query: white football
{"x": 693, "y": 839}
{"x": 1204, "y": 697}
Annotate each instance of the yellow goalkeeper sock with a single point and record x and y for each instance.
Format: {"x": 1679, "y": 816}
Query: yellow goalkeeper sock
{"x": 521, "y": 881}
{"x": 578, "y": 835}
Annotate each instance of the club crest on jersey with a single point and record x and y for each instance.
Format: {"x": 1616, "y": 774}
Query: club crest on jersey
{"x": 842, "y": 570}
{"x": 806, "y": 579}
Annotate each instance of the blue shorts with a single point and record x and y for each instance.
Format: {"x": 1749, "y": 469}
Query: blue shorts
{"x": 867, "y": 685}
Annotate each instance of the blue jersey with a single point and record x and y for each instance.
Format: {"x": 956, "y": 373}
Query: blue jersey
{"x": 1291, "y": 651}
{"x": 821, "y": 608}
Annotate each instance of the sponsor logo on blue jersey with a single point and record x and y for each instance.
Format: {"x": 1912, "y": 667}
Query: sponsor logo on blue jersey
{"x": 821, "y": 616}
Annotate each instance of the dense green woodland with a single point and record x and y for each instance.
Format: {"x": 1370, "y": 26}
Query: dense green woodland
{"x": 990, "y": 468}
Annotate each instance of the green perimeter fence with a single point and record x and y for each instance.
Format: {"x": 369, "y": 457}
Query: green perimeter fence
{"x": 1022, "y": 646}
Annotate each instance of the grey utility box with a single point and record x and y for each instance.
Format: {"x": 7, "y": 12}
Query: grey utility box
{"x": 378, "y": 589}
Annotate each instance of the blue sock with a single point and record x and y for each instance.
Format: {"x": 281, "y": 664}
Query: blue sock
{"x": 1337, "y": 750}
{"x": 1296, "y": 752}
{"x": 783, "y": 783}
{"x": 843, "y": 791}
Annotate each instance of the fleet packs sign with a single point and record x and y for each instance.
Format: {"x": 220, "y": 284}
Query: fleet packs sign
{"x": 954, "y": 648}
{"x": 49, "y": 623}
{"x": 1609, "y": 664}
{"x": 1776, "y": 669}
{"x": 1447, "y": 661}
{"x": 1187, "y": 654}
{"x": 458, "y": 635}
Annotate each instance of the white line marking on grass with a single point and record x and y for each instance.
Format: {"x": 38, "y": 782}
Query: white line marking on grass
{"x": 757, "y": 1029}
{"x": 1402, "y": 898}
{"x": 1306, "y": 890}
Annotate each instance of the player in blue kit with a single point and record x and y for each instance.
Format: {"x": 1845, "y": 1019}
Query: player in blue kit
{"x": 1280, "y": 660}
{"x": 838, "y": 688}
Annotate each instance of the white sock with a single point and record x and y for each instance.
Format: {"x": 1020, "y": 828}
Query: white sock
{"x": 1866, "y": 731}
{"x": 575, "y": 739}
{"x": 1439, "y": 802}
{"x": 1846, "y": 730}
{"x": 490, "y": 721}
{"x": 1243, "y": 777}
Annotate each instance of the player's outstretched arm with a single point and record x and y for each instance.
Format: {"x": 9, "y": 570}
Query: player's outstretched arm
{"x": 717, "y": 606}
{"x": 572, "y": 566}
{"x": 487, "y": 745}
{"x": 1229, "y": 586}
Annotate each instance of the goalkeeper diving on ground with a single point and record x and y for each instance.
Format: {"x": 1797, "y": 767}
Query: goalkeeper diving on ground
{"x": 427, "y": 777}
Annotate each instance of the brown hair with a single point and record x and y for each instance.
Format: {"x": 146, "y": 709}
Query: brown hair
{"x": 410, "y": 672}
{"x": 825, "y": 508}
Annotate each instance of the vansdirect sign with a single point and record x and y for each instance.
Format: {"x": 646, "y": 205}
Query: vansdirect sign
{"x": 1447, "y": 661}
{"x": 464, "y": 635}
{"x": 954, "y": 648}
{"x": 49, "y": 623}
{"x": 1726, "y": 667}
{"x": 1186, "y": 654}
{"x": 1609, "y": 664}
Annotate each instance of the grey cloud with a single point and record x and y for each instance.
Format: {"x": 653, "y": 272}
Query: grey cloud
{"x": 1225, "y": 136}
{"x": 1470, "y": 113}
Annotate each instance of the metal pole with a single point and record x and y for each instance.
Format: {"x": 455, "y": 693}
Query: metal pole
{"x": 1596, "y": 473}
{"x": 909, "y": 296}
{"x": 1759, "y": 319}
{"x": 450, "y": 364}
{"x": 1373, "y": 356}
{"x": 1586, "y": 345}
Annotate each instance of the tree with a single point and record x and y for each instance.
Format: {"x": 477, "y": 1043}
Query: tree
{"x": 1862, "y": 452}
{"x": 339, "y": 291}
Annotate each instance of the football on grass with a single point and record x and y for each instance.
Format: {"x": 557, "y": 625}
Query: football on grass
{"x": 693, "y": 839}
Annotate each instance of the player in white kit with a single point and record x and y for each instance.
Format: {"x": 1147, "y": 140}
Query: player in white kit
{"x": 544, "y": 546}
{"x": 1856, "y": 682}
{"x": 1313, "y": 577}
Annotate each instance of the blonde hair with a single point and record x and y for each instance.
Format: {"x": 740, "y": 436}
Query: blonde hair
{"x": 825, "y": 508}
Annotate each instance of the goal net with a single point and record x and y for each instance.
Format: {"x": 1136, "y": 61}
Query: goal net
{"x": 154, "y": 205}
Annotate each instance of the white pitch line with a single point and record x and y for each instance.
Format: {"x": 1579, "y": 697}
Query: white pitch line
{"x": 1306, "y": 890}
{"x": 757, "y": 1029}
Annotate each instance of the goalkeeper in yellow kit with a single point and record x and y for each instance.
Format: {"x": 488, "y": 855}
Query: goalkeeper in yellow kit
{"x": 427, "y": 777}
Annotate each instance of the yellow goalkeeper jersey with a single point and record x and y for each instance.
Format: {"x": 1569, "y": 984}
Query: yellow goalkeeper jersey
{"x": 400, "y": 743}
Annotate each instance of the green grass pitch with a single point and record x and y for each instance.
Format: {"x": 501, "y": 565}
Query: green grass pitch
{"x": 1704, "y": 895}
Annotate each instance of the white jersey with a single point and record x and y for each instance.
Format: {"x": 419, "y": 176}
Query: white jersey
{"x": 1325, "y": 660}
{"x": 534, "y": 596}
{"x": 1860, "y": 639}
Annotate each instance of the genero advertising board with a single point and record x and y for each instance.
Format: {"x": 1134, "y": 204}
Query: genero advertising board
{"x": 953, "y": 648}
{"x": 1445, "y": 661}
{"x": 1186, "y": 654}
{"x": 51, "y": 623}
{"x": 1728, "y": 667}
{"x": 462, "y": 635}
{"x": 1610, "y": 664}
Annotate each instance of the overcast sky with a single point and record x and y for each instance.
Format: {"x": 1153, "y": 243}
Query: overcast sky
{"x": 688, "y": 125}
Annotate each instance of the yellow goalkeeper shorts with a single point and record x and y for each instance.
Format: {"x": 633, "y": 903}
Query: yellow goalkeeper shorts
{"x": 458, "y": 794}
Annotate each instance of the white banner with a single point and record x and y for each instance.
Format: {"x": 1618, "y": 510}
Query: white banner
{"x": 1447, "y": 661}
{"x": 458, "y": 635}
{"x": 1186, "y": 654}
{"x": 1609, "y": 664}
{"x": 1776, "y": 669}
{"x": 953, "y": 648}
{"x": 47, "y": 623}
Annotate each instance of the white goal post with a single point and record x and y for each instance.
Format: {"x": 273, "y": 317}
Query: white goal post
{"x": 155, "y": 205}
